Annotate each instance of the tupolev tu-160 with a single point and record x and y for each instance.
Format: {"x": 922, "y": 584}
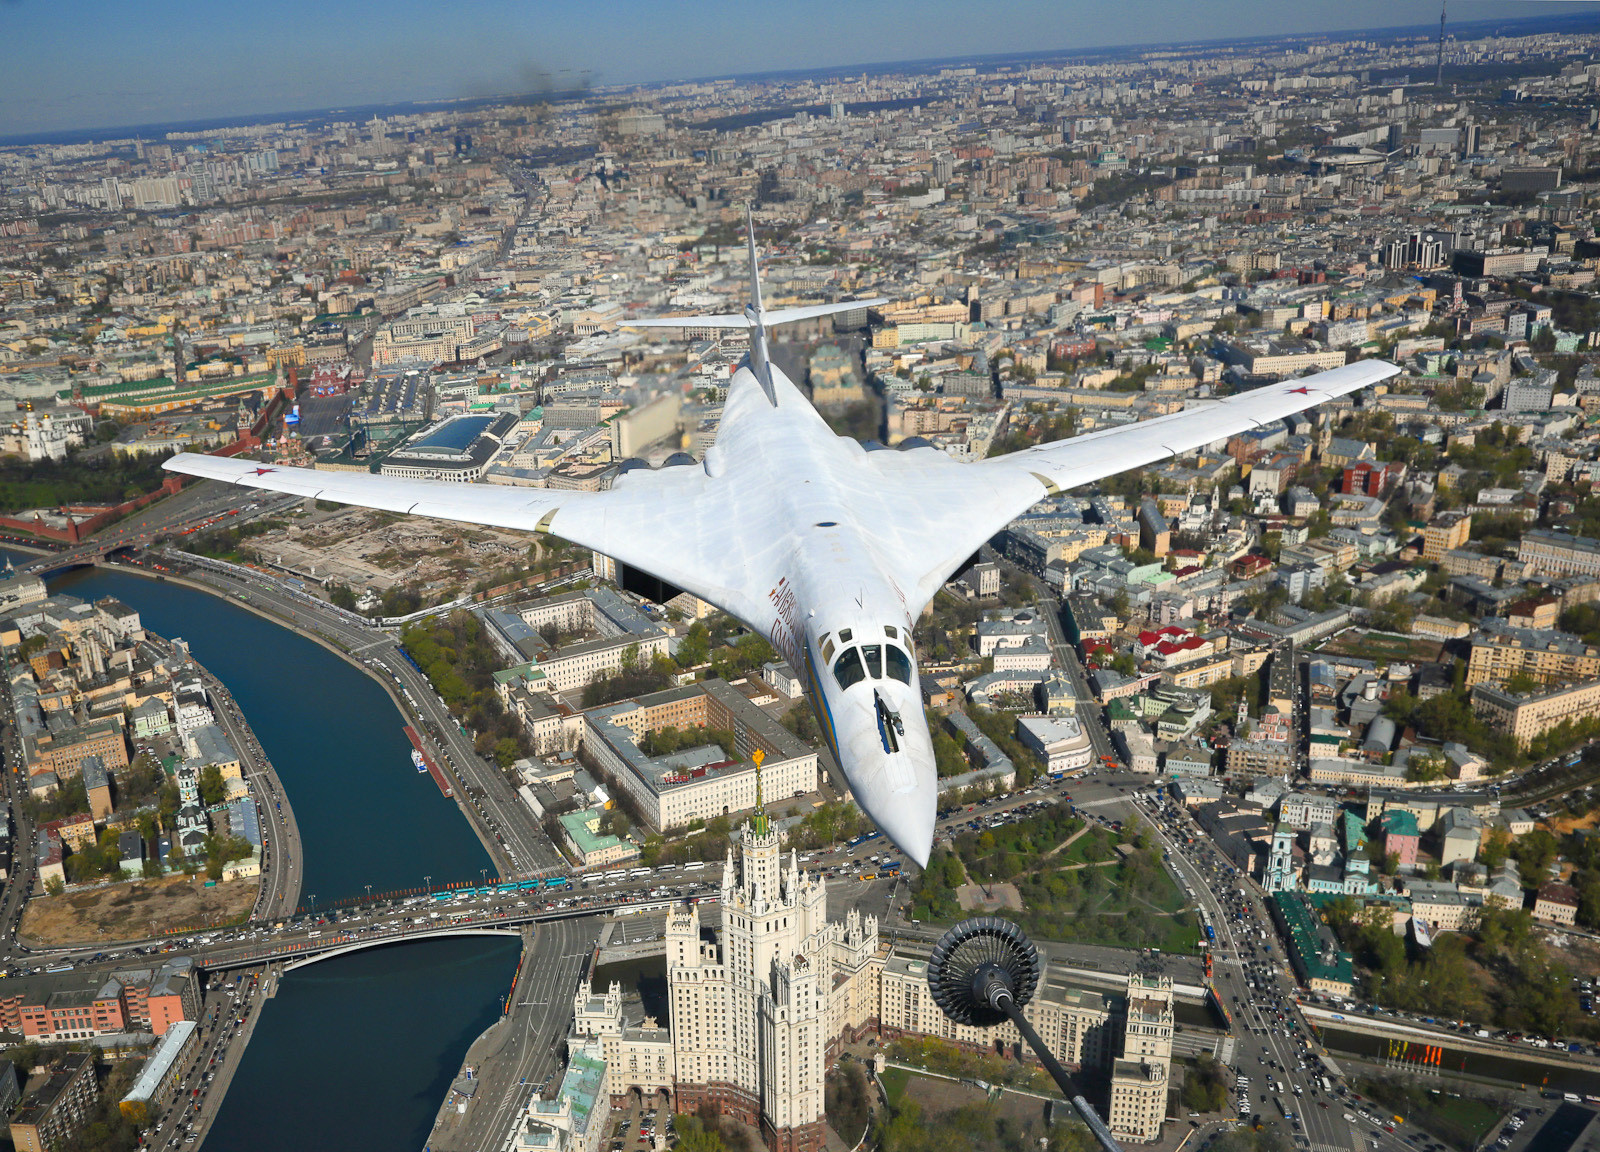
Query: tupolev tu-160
{"x": 827, "y": 549}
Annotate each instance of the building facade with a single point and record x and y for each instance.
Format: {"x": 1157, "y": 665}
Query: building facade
{"x": 1139, "y": 1077}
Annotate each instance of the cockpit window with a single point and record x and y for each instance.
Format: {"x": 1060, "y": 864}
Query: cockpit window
{"x": 848, "y": 670}
{"x": 891, "y": 632}
{"x": 899, "y": 663}
{"x": 873, "y": 654}
{"x": 844, "y": 635}
{"x": 827, "y": 650}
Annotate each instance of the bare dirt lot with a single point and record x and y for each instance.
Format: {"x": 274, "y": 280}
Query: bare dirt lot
{"x": 993, "y": 898}
{"x": 379, "y": 550}
{"x": 134, "y": 911}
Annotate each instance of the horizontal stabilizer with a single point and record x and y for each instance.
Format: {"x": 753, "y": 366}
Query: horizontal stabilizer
{"x": 769, "y": 318}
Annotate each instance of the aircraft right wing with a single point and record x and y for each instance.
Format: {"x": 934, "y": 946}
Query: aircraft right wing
{"x": 671, "y": 522}
{"x": 936, "y": 512}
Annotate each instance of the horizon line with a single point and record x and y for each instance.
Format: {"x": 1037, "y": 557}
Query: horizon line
{"x": 241, "y": 119}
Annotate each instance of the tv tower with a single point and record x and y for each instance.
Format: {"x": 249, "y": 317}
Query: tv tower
{"x": 1438, "y": 74}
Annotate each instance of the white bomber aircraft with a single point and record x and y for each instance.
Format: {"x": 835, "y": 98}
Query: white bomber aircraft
{"x": 827, "y": 549}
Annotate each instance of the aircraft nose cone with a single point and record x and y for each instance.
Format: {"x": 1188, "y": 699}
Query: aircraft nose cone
{"x": 909, "y": 820}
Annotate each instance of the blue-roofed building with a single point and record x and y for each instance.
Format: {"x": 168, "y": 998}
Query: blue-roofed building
{"x": 514, "y": 637}
{"x": 577, "y": 1119}
{"x": 459, "y": 449}
{"x": 244, "y": 820}
{"x": 162, "y": 1074}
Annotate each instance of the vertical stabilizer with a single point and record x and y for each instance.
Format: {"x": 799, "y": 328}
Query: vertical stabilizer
{"x": 753, "y": 312}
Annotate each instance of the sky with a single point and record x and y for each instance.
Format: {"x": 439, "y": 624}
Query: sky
{"x": 69, "y": 64}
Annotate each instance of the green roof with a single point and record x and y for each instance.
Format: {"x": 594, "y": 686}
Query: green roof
{"x": 1399, "y": 822}
{"x": 1305, "y": 945}
{"x": 578, "y": 831}
{"x": 529, "y": 671}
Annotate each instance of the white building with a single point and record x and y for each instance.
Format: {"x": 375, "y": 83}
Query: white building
{"x": 1060, "y": 741}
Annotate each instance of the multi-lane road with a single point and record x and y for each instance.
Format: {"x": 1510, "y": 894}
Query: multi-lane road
{"x": 522, "y": 1051}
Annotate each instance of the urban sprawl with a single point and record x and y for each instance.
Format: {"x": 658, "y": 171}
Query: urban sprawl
{"x": 1286, "y": 750}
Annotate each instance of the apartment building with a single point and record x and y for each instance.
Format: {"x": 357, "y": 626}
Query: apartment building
{"x": 1500, "y": 651}
{"x": 1446, "y": 532}
{"x": 1552, "y": 553}
{"x": 1527, "y": 717}
{"x": 707, "y": 780}
{"x": 56, "y": 1105}
{"x": 1139, "y": 1077}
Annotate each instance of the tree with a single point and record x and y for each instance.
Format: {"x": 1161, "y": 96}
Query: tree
{"x": 1425, "y": 768}
{"x": 695, "y": 647}
{"x": 1494, "y": 850}
{"x": 55, "y": 886}
{"x": 848, "y": 1101}
{"x": 695, "y": 1136}
{"x": 1534, "y": 853}
{"x": 212, "y": 789}
{"x": 168, "y": 803}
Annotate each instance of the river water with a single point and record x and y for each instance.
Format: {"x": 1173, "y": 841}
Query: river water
{"x": 355, "y": 1053}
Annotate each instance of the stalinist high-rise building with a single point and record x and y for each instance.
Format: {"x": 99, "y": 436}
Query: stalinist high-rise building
{"x": 752, "y": 1026}
{"x": 755, "y": 1017}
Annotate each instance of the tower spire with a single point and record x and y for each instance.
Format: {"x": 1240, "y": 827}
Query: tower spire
{"x": 759, "y": 823}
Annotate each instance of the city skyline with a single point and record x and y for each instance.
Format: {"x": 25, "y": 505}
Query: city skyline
{"x": 86, "y": 72}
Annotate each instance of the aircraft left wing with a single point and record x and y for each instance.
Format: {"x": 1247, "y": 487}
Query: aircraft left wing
{"x": 940, "y": 512}
{"x": 669, "y": 522}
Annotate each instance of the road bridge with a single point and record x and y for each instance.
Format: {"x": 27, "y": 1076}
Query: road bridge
{"x": 298, "y": 948}
{"x": 1421, "y": 1035}
{"x": 344, "y": 945}
{"x": 81, "y": 557}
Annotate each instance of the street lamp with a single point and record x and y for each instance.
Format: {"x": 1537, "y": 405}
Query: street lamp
{"x": 427, "y": 882}
{"x": 983, "y": 972}
{"x": 484, "y": 873}
{"x": 313, "y": 907}
{"x": 369, "y": 893}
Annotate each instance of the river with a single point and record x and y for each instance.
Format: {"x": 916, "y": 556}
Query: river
{"x": 354, "y": 1053}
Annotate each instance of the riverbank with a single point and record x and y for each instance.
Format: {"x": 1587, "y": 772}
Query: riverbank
{"x": 390, "y": 1025}
{"x": 98, "y": 917}
{"x": 240, "y": 596}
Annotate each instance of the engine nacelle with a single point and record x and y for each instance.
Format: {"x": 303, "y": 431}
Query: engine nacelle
{"x": 679, "y": 460}
{"x": 911, "y": 442}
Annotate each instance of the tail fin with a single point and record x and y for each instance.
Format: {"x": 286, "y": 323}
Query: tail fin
{"x": 758, "y": 329}
{"x": 755, "y": 318}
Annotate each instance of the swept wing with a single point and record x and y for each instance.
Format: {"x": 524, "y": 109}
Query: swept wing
{"x": 936, "y": 512}
{"x": 666, "y": 522}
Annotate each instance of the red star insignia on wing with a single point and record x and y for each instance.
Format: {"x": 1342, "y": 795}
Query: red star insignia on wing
{"x": 1301, "y": 391}
{"x": 261, "y": 471}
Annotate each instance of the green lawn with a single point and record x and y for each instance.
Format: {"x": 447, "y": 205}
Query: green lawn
{"x": 1476, "y": 1116}
{"x": 894, "y": 1083}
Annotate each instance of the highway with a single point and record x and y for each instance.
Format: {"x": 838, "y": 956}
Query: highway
{"x": 523, "y": 1050}
{"x": 1277, "y": 1062}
